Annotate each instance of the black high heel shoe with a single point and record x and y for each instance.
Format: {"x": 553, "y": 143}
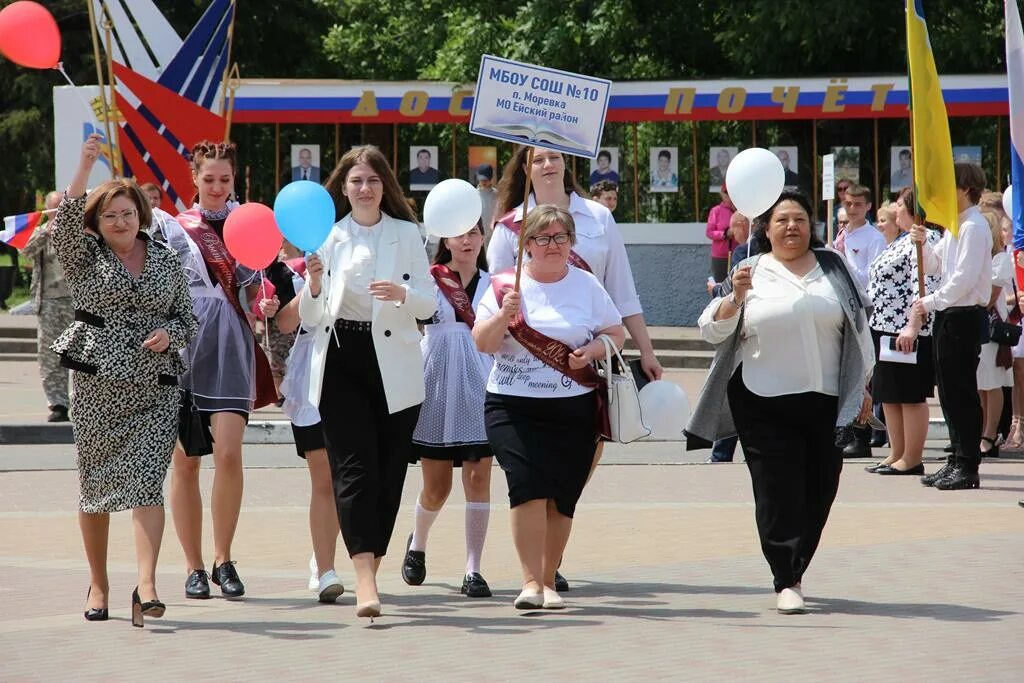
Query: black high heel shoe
{"x": 95, "y": 613}
{"x": 150, "y": 608}
{"x": 992, "y": 452}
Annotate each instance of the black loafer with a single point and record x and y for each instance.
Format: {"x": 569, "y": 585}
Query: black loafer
{"x": 225, "y": 576}
{"x": 474, "y": 586}
{"x": 197, "y": 586}
{"x": 414, "y": 566}
{"x": 916, "y": 470}
{"x": 874, "y": 468}
{"x": 561, "y": 584}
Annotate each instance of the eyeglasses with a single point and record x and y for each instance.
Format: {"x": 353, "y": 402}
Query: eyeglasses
{"x": 545, "y": 240}
{"x": 115, "y": 218}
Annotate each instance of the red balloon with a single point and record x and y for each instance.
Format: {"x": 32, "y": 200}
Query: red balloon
{"x": 252, "y": 236}
{"x": 29, "y": 35}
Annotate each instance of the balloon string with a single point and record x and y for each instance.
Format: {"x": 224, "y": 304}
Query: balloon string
{"x": 60, "y": 68}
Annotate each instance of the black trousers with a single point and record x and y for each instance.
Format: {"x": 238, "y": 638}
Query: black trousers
{"x": 789, "y": 443}
{"x": 957, "y": 341}
{"x": 368, "y": 448}
{"x": 719, "y": 268}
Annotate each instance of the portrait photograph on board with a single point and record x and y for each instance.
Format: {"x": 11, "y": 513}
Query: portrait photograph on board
{"x": 423, "y": 173}
{"x": 847, "y": 163}
{"x": 901, "y": 168}
{"x": 719, "y": 160}
{"x": 605, "y": 166}
{"x": 306, "y": 162}
{"x": 664, "y": 169}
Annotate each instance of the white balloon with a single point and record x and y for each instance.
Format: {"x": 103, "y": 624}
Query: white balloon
{"x": 755, "y": 179}
{"x": 452, "y": 208}
{"x": 1008, "y": 201}
{"x": 665, "y": 409}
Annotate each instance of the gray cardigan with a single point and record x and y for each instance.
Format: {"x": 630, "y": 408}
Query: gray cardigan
{"x": 712, "y": 417}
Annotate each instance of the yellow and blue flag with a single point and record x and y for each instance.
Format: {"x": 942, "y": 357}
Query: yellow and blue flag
{"x": 934, "y": 182}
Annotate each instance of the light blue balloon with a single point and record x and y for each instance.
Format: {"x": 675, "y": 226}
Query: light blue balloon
{"x": 304, "y": 212}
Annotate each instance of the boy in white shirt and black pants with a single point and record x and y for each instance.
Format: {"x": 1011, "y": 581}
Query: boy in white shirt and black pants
{"x": 959, "y": 306}
{"x": 862, "y": 243}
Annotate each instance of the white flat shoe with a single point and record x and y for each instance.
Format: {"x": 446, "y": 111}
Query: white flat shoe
{"x": 790, "y": 601}
{"x": 330, "y": 587}
{"x": 529, "y": 600}
{"x": 552, "y": 600}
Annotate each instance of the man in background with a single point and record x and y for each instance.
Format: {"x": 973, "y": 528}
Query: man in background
{"x": 488, "y": 198}
{"x": 306, "y": 170}
{"x": 53, "y": 306}
{"x": 153, "y": 193}
{"x": 605, "y": 192}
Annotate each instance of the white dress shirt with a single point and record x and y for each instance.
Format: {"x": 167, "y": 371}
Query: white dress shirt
{"x": 357, "y": 303}
{"x": 792, "y": 331}
{"x": 862, "y": 246}
{"x": 964, "y": 262}
{"x": 598, "y": 242}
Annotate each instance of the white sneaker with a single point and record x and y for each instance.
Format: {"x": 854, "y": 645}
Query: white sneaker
{"x": 314, "y": 575}
{"x": 330, "y": 587}
{"x": 790, "y": 601}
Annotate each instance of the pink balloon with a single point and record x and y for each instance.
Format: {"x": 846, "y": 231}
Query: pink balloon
{"x": 252, "y": 236}
{"x": 29, "y": 35}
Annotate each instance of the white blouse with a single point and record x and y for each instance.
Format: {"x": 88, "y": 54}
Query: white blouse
{"x": 598, "y": 242}
{"x": 792, "y": 331}
{"x": 357, "y": 304}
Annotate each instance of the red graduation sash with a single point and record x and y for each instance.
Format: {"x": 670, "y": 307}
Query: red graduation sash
{"x": 553, "y": 353}
{"x": 450, "y": 284}
{"x": 222, "y": 265}
{"x": 510, "y": 222}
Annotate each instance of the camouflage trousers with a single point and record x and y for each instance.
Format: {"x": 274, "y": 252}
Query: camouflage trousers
{"x": 55, "y": 315}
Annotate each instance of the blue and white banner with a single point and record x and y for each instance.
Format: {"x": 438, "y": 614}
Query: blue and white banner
{"x": 534, "y": 105}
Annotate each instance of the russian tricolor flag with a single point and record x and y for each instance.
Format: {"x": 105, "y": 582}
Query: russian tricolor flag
{"x": 18, "y": 229}
{"x": 1015, "y": 76}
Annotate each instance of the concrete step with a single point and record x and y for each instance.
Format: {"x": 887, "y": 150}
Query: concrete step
{"x": 277, "y": 431}
{"x": 20, "y": 357}
{"x": 16, "y": 332}
{"x": 678, "y": 344}
{"x": 13, "y": 345}
{"x": 691, "y": 360}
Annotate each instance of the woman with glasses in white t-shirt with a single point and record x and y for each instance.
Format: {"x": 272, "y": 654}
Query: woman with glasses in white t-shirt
{"x": 542, "y": 411}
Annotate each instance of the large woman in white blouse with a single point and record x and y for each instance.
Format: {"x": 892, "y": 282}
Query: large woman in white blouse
{"x": 792, "y": 360}
{"x": 598, "y": 249}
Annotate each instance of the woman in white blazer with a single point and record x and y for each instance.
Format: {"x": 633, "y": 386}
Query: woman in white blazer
{"x": 367, "y": 286}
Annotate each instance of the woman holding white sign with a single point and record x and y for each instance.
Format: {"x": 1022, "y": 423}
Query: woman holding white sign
{"x": 598, "y": 249}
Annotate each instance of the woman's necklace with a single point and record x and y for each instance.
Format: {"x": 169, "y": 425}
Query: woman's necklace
{"x": 218, "y": 215}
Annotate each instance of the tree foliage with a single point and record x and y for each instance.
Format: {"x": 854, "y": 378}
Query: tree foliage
{"x": 444, "y": 39}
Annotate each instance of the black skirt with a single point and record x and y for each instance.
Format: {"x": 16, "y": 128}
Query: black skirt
{"x": 308, "y": 439}
{"x": 545, "y": 446}
{"x": 470, "y": 452}
{"x": 903, "y": 382}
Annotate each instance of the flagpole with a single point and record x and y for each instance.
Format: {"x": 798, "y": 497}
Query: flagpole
{"x": 99, "y": 80}
{"x": 526, "y": 206}
{"x": 918, "y": 246}
{"x": 115, "y": 148}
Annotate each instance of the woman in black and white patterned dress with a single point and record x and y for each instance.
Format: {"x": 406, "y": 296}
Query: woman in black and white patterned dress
{"x": 132, "y": 315}
{"x": 901, "y": 388}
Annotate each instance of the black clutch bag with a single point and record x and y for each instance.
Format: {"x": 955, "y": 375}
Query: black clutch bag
{"x": 1003, "y": 333}
{"x": 195, "y": 436}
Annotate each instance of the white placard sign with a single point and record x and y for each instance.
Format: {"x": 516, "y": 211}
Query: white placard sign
{"x": 538, "y": 106}
{"x": 828, "y": 177}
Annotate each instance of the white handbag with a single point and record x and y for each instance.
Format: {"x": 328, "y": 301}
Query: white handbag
{"x": 624, "y": 414}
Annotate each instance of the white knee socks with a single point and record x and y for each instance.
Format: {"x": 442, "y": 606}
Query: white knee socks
{"x": 424, "y": 520}
{"x": 477, "y": 516}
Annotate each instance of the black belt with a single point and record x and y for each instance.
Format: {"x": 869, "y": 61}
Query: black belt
{"x": 342, "y": 325}
{"x": 89, "y": 318}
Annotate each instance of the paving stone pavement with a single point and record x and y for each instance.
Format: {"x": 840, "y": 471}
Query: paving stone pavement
{"x": 668, "y": 582}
